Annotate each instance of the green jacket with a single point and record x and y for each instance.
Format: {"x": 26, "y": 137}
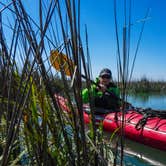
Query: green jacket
{"x": 99, "y": 95}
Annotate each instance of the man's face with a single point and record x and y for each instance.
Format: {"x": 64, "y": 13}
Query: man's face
{"x": 105, "y": 79}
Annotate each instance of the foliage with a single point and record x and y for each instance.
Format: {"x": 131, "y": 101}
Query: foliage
{"x": 147, "y": 86}
{"x": 34, "y": 130}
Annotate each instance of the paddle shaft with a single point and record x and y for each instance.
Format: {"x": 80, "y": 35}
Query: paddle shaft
{"x": 59, "y": 60}
{"x": 111, "y": 93}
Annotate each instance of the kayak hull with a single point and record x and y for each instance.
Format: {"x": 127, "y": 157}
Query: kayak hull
{"x": 151, "y": 133}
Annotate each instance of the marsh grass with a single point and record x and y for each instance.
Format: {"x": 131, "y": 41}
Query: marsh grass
{"x": 34, "y": 130}
{"x": 125, "y": 61}
{"x": 147, "y": 86}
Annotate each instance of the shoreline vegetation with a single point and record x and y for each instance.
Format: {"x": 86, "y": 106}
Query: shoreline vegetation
{"x": 136, "y": 87}
{"x": 141, "y": 86}
{"x": 147, "y": 86}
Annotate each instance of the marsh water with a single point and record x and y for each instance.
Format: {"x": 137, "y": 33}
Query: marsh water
{"x": 137, "y": 154}
{"x": 155, "y": 101}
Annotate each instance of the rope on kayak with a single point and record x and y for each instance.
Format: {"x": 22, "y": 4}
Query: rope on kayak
{"x": 148, "y": 113}
{"x": 152, "y": 113}
{"x": 142, "y": 122}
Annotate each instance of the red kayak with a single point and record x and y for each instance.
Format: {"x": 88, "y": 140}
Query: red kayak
{"x": 141, "y": 126}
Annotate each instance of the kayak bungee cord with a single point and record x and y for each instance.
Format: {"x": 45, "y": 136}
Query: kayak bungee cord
{"x": 148, "y": 113}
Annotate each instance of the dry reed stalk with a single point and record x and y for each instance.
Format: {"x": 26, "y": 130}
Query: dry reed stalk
{"x": 31, "y": 112}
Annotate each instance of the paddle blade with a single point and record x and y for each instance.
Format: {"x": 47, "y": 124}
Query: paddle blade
{"x": 61, "y": 62}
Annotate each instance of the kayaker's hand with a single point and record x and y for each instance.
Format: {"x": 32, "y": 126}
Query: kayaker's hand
{"x": 102, "y": 88}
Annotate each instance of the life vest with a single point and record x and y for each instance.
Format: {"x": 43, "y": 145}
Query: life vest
{"x": 100, "y": 99}
{"x": 107, "y": 100}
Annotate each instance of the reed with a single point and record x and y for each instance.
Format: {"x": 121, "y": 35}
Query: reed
{"x": 147, "y": 86}
{"x": 125, "y": 62}
{"x": 34, "y": 129}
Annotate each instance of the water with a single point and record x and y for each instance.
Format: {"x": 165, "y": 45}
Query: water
{"x": 157, "y": 102}
{"x": 136, "y": 154}
{"x": 140, "y": 155}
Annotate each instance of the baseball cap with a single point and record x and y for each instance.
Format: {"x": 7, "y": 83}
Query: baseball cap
{"x": 105, "y": 72}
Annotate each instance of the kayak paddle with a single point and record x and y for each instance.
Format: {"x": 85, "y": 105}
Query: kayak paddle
{"x": 60, "y": 62}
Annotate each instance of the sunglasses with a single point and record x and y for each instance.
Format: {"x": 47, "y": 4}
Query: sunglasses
{"x": 106, "y": 76}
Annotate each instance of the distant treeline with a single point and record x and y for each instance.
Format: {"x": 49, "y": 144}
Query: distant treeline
{"x": 143, "y": 85}
{"x": 147, "y": 86}
{"x": 138, "y": 86}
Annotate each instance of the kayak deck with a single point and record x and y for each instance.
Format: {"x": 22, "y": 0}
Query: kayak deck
{"x": 150, "y": 130}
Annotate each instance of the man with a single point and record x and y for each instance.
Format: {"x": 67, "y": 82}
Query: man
{"x": 104, "y": 92}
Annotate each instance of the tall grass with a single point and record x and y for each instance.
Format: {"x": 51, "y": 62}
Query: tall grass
{"x": 34, "y": 129}
{"x": 125, "y": 61}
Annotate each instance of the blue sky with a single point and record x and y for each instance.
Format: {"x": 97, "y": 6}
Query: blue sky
{"x": 99, "y": 17}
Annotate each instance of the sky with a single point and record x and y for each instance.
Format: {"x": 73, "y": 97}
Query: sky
{"x": 99, "y": 17}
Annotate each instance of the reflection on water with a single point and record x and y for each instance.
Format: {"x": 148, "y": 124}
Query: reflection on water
{"x": 149, "y": 101}
{"x": 145, "y": 154}
{"x": 141, "y": 155}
